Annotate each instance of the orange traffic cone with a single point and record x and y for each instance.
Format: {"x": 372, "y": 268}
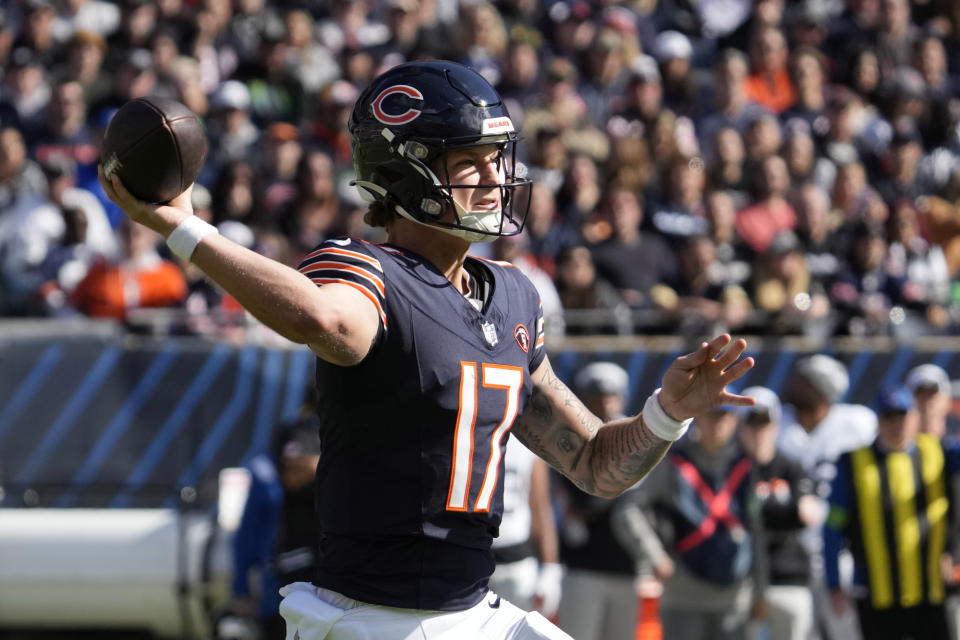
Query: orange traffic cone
{"x": 648, "y": 610}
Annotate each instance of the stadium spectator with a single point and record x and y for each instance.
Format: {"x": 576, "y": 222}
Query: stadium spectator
{"x": 862, "y": 73}
{"x": 896, "y": 36}
{"x": 276, "y": 94}
{"x": 864, "y": 290}
{"x": 138, "y": 19}
{"x": 643, "y": 96}
{"x": 631, "y": 260}
{"x": 681, "y": 212}
{"x": 769, "y": 84}
{"x": 63, "y": 191}
{"x": 784, "y": 289}
{"x": 37, "y": 34}
{"x": 282, "y": 150}
{"x": 922, "y": 265}
{"x": 482, "y": 42}
{"x": 579, "y": 193}
{"x": 772, "y": 213}
{"x": 521, "y": 70}
{"x": 238, "y": 196}
{"x": 681, "y": 89}
{"x": 138, "y": 278}
{"x": 809, "y": 76}
{"x": 605, "y": 76}
{"x": 64, "y": 266}
{"x": 329, "y": 126}
{"x": 64, "y": 131}
{"x": 582, "y": 289}
{"x": 899, "y": 179}
{"x": 312, "y": 64}
{"x": 629, "y": 164}
{"x": 762, "y": 139}
{"x": 821, "y": 249}
{"x": 516, "y": 251}
{"x": 800, "y": 154}
{"x": 24, "y": 93}
{"x": 732, "y": 106}
{"x": 697, "y": 298}
{"x": 20, "y": 176}
{"x": 86, "y": 53}
{"x": 548, "y": 233}
{"x": 232, "y": 134}
{"x": 727, "y": 165}
{"x": 734, "y": 258}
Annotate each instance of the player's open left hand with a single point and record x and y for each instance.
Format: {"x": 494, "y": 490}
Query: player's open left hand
{"x": 697, "y": 382}
{"x": 159, "y": 217}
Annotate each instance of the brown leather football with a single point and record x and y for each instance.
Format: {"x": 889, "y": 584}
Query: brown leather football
{"x": 156, "y": 145}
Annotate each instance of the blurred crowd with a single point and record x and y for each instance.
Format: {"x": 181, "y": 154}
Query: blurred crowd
{"x": 764, "y": 166}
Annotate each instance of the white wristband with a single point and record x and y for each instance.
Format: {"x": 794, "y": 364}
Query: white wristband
{"x": 183, "y": 240}
{"x": 659, "y": 423}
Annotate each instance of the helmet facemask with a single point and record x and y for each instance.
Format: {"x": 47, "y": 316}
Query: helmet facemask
{"x": 483, "y": 225}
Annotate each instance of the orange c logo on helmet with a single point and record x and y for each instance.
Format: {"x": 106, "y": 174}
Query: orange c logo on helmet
{"x": 522, "y": 336}
{"x": 399, "y": 118}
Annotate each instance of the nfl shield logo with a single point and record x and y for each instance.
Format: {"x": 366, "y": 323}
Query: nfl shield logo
{"x": 490, "y": 333}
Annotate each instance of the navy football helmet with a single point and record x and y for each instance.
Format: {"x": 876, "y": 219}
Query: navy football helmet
{"x": 413, "y": 114}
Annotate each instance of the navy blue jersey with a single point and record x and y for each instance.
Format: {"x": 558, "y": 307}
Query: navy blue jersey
{"x": 409, "y": 483}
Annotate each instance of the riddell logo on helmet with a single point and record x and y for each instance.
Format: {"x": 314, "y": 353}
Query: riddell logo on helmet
{"x": 496, "y": 125}
{"x": 396, "y": 118}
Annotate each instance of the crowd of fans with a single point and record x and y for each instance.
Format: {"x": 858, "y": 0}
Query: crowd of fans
{"x": 773, "y": 166}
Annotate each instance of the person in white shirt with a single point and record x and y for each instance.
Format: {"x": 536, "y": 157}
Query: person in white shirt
{"x": 528, "y": 572}
{"x": 816, "y": 429}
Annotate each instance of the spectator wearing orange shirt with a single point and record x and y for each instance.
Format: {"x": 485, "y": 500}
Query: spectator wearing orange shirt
{"x": 769, "y": 84}
{"x": 141, "y": 279}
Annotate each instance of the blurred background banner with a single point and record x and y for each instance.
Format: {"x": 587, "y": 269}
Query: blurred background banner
{"x": 90, "y": 420}
{"x": 93, "y": 418}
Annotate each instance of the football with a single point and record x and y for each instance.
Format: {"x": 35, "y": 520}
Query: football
{"x": 156, "y": 146}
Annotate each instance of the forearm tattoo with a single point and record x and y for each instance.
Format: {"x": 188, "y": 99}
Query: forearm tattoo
{"x": 561, "y": 430}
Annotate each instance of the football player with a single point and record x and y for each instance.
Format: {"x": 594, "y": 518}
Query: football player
{"x": 426, "y": 360}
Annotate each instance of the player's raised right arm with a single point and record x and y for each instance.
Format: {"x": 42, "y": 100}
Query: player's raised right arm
{"x": 336, "y": 321}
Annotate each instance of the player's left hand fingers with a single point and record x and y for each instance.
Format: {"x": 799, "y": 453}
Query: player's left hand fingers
{"x": 717, "y": 345}
{"x": 732, "y": 354}
{"x": 736, "y": 371}
{"x": 694, "y": 359}
{"x": 736, "y": 400}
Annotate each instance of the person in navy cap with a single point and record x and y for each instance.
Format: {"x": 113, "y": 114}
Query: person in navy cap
{"x": 889, "y": 505}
